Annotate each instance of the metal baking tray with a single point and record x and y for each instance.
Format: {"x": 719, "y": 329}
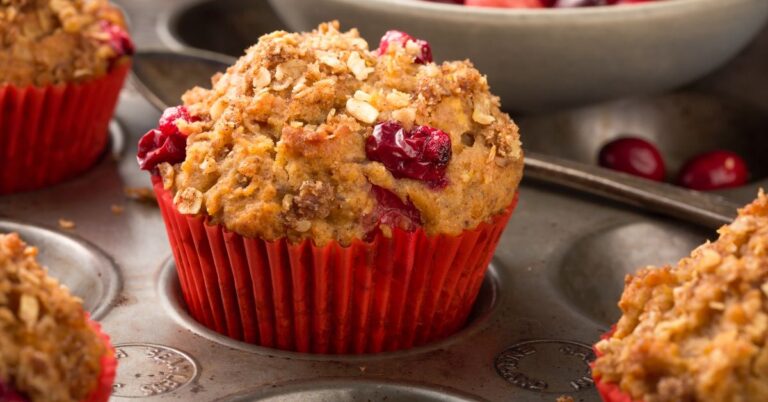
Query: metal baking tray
{"x": 550, "y": 291}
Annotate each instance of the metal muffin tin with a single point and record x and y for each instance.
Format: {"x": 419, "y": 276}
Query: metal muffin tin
{"x": 550, "y": 292}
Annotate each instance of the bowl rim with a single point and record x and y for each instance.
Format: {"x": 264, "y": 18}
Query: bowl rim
{"x": 612, "y": 11}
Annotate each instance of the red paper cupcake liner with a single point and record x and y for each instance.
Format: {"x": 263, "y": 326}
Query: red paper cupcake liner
{"x": 609, "y": 392}
{"x": 108, "y": 369}
{"x": 385, "y": 295}
{"x": 50, "y": 134}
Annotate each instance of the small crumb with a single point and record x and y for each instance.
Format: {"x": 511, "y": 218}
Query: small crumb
{"x": 362, "y": 368}
{"x": 66, "y": 224}
{"x": 117, "y": 209}
{"x": 141, "y": 194}
{"x": 565, "y": 398}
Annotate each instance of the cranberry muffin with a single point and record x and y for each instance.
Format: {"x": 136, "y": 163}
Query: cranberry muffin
{"x": 695, "y": 331}
{"x": 62, "y": 64}
{"x": 312, "y": 138}
{"x": 49, "y": 349}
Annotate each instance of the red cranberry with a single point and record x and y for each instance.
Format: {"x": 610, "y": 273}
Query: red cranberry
{"x": 422, "y": 153}
{"x": 392, "y": 211}
{"x": 507, "y": 3}
{"x": 167, "y": 122}
{"x": 119, "y": 39}
{"x": 714, "y": 170}
{"x": 166, "y": 143}
{"x": 8, "y": 394}
{"x": 424, "y": 57}
{"x": 635, "y": 156}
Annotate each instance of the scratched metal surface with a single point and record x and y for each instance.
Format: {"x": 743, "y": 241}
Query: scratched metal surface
{"x": 550, "y": 293}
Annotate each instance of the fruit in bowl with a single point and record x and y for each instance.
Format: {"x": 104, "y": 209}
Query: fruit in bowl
{"x": 541, "y": 3}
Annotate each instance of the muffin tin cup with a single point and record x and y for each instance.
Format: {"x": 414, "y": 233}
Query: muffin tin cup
{"x": 108, "y": 369}
{"x": 385, "y": 295}
{"x": 50, "y": 134}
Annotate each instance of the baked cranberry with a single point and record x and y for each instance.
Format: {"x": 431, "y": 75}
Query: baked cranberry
{"x": 119, "y": 39}
{"x": 635, "y": 156}
{"x": 402, "y": 38}
{"x": 714, "y": 170}
{"x": 165, "y": 143}
{"x": 8, "y": 394}
{"x": 390, "y": 210}
{"x": 422, "y": 153}
{"x": 167, "y": 122}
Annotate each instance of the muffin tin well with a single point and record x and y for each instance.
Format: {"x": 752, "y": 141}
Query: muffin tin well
{"x": 169, "y": 290}
{"x": 81, "y": 266}
{"x": 596, "y": 262}
{"x": 343, "y": 390}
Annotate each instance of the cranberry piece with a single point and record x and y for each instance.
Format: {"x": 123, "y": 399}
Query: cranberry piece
{"x": 167, "y": 122}
{"x": 714, "y": 170}
{"x": 402, "y": 38}
{"x": 422, "y": 153}
{"x": 635, "y": 156}
{"x": 8, "y": 394}
{"x": 119, "y": 39}
{"x": 166, "y": 143}
{"x": 392, "y": 211}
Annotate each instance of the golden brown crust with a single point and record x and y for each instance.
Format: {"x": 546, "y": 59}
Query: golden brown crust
{"x": 697, "y": 331}
{"x": 46, "y": 42}
{"x": 280, "y": 149}
{"x": 48, "y": 350}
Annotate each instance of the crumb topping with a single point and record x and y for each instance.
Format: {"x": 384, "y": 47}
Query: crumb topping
{"x": 48, "y": 351}
{"x": 279, "y": 150}
{"x": 697, "y": 331}
{"x": 46, "y": 42}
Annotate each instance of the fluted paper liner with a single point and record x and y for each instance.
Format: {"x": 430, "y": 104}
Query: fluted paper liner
{"x": 53, "y": 133}
{"x": 609, "y": 392}
{"x": 108, "y": 369}
{"x": 384, "y": 295}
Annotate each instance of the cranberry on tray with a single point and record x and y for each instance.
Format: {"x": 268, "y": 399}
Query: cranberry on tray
{"x": 635, "y": 156}
{"x": 713, "y": 171}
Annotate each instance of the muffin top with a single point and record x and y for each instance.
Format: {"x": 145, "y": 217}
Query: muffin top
{"x": 312, "y": 135}
{"x": 45, "y": 42}
{"x": 48, "y": 350}
{"x": 697, "y": 331}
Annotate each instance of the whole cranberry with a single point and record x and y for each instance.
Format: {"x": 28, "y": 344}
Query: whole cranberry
{"x": 165, "y": 143}
{"x": 402, "y": 38}
{"x": 713, "y": 171}
{"x": 422, "y": 153}
{"x": 635, "y": 156}
{"x": 119, "y": 39}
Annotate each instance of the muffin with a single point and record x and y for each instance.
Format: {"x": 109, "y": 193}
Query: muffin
{"x": 696, "y": 331}
{"x": 322, "y": 197}
{"x": 62, "y": 65}
{"x": 49, "y": 349}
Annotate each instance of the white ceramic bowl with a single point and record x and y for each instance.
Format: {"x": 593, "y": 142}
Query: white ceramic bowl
{"x": 543, "y": 58}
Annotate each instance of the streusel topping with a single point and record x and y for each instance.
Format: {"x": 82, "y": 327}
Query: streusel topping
{"x": 48, "y": 351}
{"x": 46, "y": 42}
{"x": 280, "y": 145}
{"x": 697, "y": 331}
